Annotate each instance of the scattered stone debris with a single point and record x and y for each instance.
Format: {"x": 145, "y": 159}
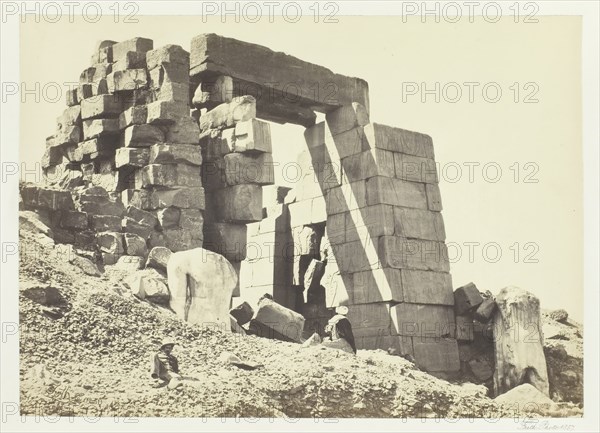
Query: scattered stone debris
{"x": 119, "y": 332}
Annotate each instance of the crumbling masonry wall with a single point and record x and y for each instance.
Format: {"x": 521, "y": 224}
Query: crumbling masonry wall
{"x": 127, "y": 147}
{"x": 362, "y": 228}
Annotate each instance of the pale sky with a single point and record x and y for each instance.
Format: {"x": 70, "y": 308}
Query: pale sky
{"x": 537, "y": 227}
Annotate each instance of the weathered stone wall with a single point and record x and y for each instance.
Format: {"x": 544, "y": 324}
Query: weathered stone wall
{"x": 388, "y": 260}
{"x": 127, "y": 148}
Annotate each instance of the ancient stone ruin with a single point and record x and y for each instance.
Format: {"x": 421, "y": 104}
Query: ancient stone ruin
{"x": 165, "y": 148}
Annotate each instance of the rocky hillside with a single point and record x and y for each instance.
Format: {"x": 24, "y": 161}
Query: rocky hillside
{"x": 86, "y": 345}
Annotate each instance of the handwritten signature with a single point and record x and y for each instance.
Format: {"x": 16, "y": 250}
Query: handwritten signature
{"x": 545, "y": 425}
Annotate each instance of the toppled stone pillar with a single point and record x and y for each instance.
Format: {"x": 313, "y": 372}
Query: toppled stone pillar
{"x": 518, "y": 342}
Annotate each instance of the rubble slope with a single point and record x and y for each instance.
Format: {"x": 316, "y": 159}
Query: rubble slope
{"x": 90, "y": 356}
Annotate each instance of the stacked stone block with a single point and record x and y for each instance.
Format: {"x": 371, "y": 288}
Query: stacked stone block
{"x": 311, "y": 272}
{"x": 266, "y": 268}
{"x": 237, "y": 164}
{"x": 128, "y": 149}
{"x": 474, "y": 331}
{"x": 387, "y": 235}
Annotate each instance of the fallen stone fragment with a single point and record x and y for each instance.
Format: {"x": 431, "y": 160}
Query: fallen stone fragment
{"x": 52, "y": 312}
{"x": 158, "y": 258}
{"x": 135, "y": 245}
{"x": 110, "y": 242}
{"x": 130, "y": 263}
{"x": 32, "y": 222}
{"x": 44, "y": 295}
{"x": 485, "y": 310}
{"x": 466, "y": 298}
{"x": 235, "y": 327}
{"x": 36, "y": 197}
{"x": 132, "y": 226}
{"x": 560, "y": 316}
{"x": 274, "y": 321}
{"x": 105, "y": 223}
{"x": 149, "y": 284}
{"x": 229, "y": 358}
{"x": 527, "y": 396}
{"x": 86, "y": 265}
{"x": 243, "y": 313}
{"x": 74, "y": 220}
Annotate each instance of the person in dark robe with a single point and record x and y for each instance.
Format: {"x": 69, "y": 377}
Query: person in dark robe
{"x": 165, "y": 365}
{"x": 339, "y": 328}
